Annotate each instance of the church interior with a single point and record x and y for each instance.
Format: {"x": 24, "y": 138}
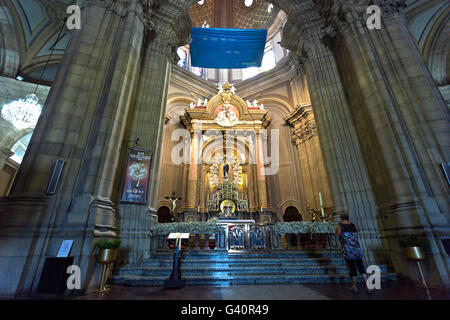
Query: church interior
{"x": 126, "y": 155}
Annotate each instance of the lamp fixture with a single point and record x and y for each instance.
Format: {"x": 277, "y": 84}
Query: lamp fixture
{"x": 24, "y": 113}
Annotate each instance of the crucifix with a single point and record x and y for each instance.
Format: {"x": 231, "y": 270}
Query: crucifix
{"x": 174, "y": 199}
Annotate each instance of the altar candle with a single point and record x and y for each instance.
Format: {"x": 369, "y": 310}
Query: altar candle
{"x": 321, "y": 204}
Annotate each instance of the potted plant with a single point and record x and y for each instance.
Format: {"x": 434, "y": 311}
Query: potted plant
{"x": 414, "y": 246}
{"x": 108, "y": 250}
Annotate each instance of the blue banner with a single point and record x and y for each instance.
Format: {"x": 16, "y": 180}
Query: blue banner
{"x": 227, "y": 48}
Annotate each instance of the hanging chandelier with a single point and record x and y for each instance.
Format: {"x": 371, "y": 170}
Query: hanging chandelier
{"x": 23, "y": 113}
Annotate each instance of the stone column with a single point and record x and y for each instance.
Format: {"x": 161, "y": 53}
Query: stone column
{"x": 193, "y": 173}
{"x": 402, "y": 125}
{"x": 260, "y": 173}
{"x": 252, "y": 194}
{"x": 313, "y": 170}
{"x": 346, "y": 169}
{"x": 201, "y": 187}
{"x": 166, "y": 28}
{"x": 83, "y": 122}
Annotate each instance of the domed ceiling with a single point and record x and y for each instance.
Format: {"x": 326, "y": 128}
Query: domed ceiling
{"x": 34, "y": 24}
{"x": 233, "y": 14}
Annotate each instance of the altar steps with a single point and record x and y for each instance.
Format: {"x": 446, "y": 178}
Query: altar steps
{"x": 224, "y": 269}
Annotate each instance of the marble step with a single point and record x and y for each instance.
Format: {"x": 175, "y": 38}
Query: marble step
{"x": 247, "y": 255}
{"x": 243, "y": 262}
{"x": 216, "y": 271}
{"x": 225, "y": 281}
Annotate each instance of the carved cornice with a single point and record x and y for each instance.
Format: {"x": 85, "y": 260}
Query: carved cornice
{"x": 302, "y": 120}
{"x": 302, "y": 112}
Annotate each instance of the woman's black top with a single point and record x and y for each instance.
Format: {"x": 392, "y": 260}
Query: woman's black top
{"x": 348, "y": 227}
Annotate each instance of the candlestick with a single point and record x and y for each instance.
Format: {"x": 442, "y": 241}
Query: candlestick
{"x": 321, "y": 204}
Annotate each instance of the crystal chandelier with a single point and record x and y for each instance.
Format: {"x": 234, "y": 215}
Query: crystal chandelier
{"x": 23, "y": 113}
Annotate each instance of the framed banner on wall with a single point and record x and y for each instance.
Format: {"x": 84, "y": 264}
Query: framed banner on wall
{"x": 137, "y": 176}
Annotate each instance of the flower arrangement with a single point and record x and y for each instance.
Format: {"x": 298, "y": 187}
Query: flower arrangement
{"x": 242, "y": 205}
{"x": 213, "y": 204}
{"x": 212, "y": 226}
{"x": 227, "y": 191}
{"x": 323, "y": 227}
{"x": 302, "y": 227}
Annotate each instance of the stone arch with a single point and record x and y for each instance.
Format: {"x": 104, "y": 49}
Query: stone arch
{"x": 292, "y": 203}
{"x": 291, "y": 213}
{"x": 9, "y": 44}
{"x": 279, "y": 101}
{"x": 436, "y": 49}
{"x": 164, "y": 214}
{"x": 236, "y": 102}
{"x": 10, "y": 134}
{"x": 173, "y": 99}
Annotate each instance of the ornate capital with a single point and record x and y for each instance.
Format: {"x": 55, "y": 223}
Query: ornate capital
{"x": 305, "y": 132}
{"x": 5, "y": 153}
{"x": 108, "y": 4}
{"x": 167, "y": 26}
{"x": 343, "y": 12}
{"x": 56, "y": 10}
{"x": 391, "y": 6}
{"x": 302, "y": 120}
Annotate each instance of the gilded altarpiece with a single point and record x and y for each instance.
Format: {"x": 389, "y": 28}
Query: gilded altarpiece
{"x": 226, "y": 175}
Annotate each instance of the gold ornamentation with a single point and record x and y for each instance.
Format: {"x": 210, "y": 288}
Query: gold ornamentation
{"x": 227, "y": 207}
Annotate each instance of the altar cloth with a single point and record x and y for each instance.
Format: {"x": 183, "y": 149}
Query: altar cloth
{"x": 220, "y": 48}
{"x": 233, "y": 221}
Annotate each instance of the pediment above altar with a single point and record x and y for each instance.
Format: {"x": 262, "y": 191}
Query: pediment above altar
{"x": 226, "y": 110}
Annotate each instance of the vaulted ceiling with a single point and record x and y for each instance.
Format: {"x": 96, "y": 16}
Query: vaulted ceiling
{"x": 233, "y": 14}
{"x": 36, "y": 24}
{"x": 28, "y": 29}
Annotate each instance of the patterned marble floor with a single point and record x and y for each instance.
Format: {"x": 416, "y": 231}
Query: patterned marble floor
{"x": 389, "y": 291}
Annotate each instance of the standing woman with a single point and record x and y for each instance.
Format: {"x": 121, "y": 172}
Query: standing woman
{"x": 353, "y": 254}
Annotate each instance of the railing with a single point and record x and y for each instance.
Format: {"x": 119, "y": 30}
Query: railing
{"x": 249, "y": 237}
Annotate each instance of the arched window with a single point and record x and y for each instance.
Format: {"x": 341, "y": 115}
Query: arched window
{"x": 247, "y": 73}
{"x": 20, "y": 147}
{"x": 268, "y": 61}
{"x": 182, "y": 54}
{"x": 248, "y": 3}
